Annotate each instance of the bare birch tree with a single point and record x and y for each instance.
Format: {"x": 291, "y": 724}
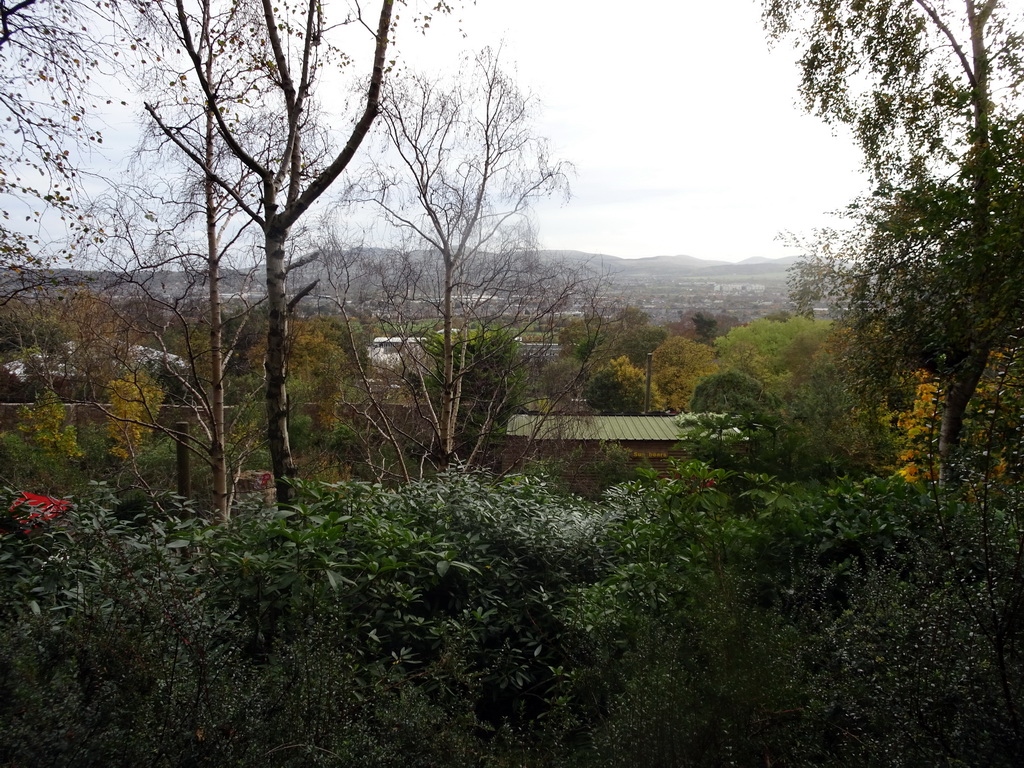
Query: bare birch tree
{"x": 168, "y": 239}
{"x": 255, "y": 70}
{"x": 167, "y": 259}
{"x": 456, "y": 184}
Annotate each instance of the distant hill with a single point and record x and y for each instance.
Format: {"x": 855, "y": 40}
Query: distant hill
{"x": 673, "y": 262}
{"x": 787, "y": 260}
{"x": 653, "y": 271}
{"x": 678, "y": 267}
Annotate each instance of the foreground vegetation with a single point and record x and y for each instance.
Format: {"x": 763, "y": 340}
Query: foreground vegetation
{"x": 709, "y": 618}
{"x": 804, "y": 591}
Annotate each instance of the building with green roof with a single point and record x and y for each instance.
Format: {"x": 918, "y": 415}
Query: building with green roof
{"x": 648, "y": 440}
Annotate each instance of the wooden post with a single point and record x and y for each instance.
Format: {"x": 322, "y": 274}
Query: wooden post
{"x": 184, "y": 464}
{"x": 647, "y": 393}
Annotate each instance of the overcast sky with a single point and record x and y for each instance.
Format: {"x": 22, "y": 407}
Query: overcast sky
{"x": 682, "y": 124}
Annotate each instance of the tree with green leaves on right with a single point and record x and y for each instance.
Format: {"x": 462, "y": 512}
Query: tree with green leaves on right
{"x": 929, "y": 276}
{"x": 491, "y": 380}
{"x": 630, "y": 333}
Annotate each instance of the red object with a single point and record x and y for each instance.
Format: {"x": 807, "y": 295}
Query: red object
{"x": 31, "y": 510}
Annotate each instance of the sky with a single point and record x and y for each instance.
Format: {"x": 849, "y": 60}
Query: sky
{"x": 683, "y": 125}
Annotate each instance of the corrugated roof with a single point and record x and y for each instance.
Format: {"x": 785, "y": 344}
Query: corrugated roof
{"x": 611, "y": 428}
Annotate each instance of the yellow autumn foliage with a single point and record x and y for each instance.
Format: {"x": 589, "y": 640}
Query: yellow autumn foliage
{"x": 920, "y": 431}
{"x": 43, "y": 424}
{"x": 993, "y": 430}
{"x": 135, "y": 401}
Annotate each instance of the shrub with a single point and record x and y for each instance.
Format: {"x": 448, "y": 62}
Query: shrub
{"x": 363, "y": 626}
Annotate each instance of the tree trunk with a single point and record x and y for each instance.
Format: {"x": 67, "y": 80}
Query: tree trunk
{"x": 217, "y": 457}
{"x": 449, "y": 410}
{"x": 964, "y": 380}
{"x": 277, "y": 361}
{"x": 289, "y": 74}
{"x": 959, "y": 391}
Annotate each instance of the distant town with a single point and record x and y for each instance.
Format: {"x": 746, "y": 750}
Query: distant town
{"x": 667, "y": 287}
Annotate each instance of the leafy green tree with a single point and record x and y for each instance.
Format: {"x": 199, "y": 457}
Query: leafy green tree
{"x": 619, "y": 387}
{"x": 44, "y": 424}
{"x": 491, "y": 386}
{"x": 810, "y": 422}
{"x": 777, "y": 353}
{"x": 702, "y": 326}
{"x": 322, "y": 361}
{"x": 705, "y": 327}
{"x": 733, "y": 392}
{"x": 580, "y": 338}
{"x": 833, "y": 430}
{"x": 630, "y": 333}
{"x": 931, "y": 89}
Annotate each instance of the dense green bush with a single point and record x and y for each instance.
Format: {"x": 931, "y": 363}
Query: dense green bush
{"x": 870, "y": 623}
{"x": 301, "y": 635}
{"x": 705, "y": 618}
{"x": 694, "y": 671}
